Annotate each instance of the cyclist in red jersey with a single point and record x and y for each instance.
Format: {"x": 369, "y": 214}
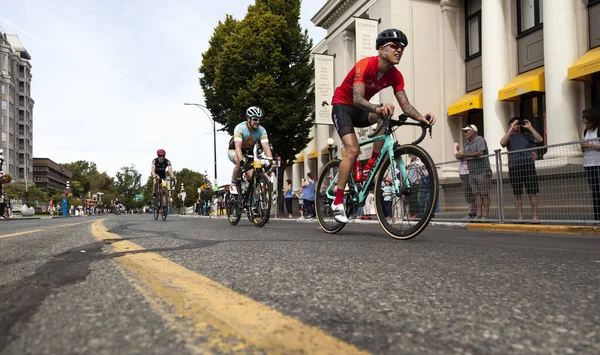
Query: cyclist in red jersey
{"x": 351, "y": 107}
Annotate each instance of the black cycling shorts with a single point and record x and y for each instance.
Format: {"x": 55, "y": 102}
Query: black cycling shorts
{"x": 345, "y": 118}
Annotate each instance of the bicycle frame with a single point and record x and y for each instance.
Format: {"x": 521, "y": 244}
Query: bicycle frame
{"x": 387, "y": 150}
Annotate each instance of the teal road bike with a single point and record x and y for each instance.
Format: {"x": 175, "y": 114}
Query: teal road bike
{"x": 405, "y": 209}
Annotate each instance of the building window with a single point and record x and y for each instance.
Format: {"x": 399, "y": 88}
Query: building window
{"x": 533, "y": 108}
{"x": 3, "y": 88}
{"x": 473, "y": 28}
{"x": 529, "y": 15}
{"x": 4, "y": 105}
{"x": 476, "y": 117}
{"x": 3, "y": 121}
{"x": 596, "y": 90}
{"x": 4, "y": 136}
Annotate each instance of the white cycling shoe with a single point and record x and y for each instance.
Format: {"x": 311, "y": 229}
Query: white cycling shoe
{"x": 339, "y": 213}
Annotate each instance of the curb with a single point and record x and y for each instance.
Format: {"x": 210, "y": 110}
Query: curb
{"x": 21, "y": 218}
{"x": 492, "y": 227}
{"x": 587, "y": 230}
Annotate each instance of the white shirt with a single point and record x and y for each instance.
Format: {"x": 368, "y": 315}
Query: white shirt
{"x": 591, "y": 157}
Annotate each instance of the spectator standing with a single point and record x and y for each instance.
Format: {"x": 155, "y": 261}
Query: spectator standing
{"x": 521, "y": 165}
{"x": 287, "y": 192}
{"x": 388, "y": 193}
{"x": 300, "y": 201}
{"x": 475, "y": 152}
{"x": 308, "y": 195}
{"x": 415, "y": 176}
{"x": 591, "y": 155}
{"x": 463, "y": 173}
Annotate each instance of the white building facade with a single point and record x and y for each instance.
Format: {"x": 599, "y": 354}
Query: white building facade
{"x": 468, "y": 62}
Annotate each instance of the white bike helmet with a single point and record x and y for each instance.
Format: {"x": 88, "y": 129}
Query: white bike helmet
{"x": 254, "y": 111}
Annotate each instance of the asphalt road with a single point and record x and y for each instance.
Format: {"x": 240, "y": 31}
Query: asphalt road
{"x": 132, "y": 285}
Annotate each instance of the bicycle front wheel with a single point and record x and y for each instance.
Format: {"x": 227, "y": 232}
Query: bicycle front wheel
{"x": 165, "y": 211}
{"x": 234, "y": 212}
{"x": 324, "y": 196}
{"x": 157, "y": 205}
{"x": 406, "y": 215}
{"x": 260, "y": 201}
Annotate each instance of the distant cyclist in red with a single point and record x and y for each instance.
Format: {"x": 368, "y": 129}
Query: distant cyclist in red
{"x": 351, "y": 107}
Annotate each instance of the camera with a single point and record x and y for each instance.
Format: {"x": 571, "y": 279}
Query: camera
{"x": 521, "y": 122}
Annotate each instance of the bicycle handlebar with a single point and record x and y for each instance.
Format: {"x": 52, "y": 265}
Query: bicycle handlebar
{"x": 388, "y": 122}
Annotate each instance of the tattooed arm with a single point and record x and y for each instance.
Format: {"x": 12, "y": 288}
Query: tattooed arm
{"x": 409, "y": 109}
{"x": 358, "y": 90}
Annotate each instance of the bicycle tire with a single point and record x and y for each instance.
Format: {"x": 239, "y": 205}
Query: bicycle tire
{"x": 231, "y": 204}
{"x": 157, "y": 205}
{"x": 324, "y": 189}
{"x": 264, "y": 202}
{"x": 165, "y": 212}
{"x": 431, "y": 193}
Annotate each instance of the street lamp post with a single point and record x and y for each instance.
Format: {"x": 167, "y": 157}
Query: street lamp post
{"x": 206, "y": 111}
{"x": 64, "y": 201}
{"x": 331, "y": 148}
{"x": 1, "y": 174}
{"x": 182, "y": 199}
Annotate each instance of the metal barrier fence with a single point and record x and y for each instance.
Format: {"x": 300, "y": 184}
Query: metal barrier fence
{"x": 546, "y": 184}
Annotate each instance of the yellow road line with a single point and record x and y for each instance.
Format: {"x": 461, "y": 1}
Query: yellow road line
{"x": 231, "y": 321}
{"x": 534, "y": 228}
{"x": 40, "y": 230}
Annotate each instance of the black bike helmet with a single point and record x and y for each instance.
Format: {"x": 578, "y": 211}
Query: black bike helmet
{"x": 391, "y": 35}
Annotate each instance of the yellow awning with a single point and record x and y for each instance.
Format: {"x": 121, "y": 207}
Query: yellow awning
{"x": 588, "y": 64}
{"x": 299, "y": 158}
{"x": 469, "y": 101}
{"x": 312, "y": 155}
{"x": 533, "y": 80}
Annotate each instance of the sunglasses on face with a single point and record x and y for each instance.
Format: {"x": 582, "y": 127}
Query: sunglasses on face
{"x": 255, "y": 119}
{"x": 393, "y": 46}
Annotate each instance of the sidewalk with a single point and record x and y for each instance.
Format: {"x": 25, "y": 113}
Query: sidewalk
{"x": 492, "y": 227}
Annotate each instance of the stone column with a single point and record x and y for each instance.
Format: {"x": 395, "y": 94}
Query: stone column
{"x": 494, "y": 15}
{"x": 560, "y": 52}
{"x": 453, "y": 75}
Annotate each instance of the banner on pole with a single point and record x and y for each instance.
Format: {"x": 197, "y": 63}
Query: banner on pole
{"x": 324, "y": 87}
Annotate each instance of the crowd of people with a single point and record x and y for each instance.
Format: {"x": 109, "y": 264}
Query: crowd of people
{"x": 520, "y": 139}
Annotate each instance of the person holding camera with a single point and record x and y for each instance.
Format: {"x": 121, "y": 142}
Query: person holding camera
{"x": 521, "y": 165}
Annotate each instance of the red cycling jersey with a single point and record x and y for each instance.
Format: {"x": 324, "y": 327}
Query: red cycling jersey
{"x": 365, "y": 71}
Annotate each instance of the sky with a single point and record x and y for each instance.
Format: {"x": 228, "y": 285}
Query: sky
{"x": 110, "y": 79}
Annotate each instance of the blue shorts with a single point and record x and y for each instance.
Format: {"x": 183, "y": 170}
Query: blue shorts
{"x": 231, "y": 154}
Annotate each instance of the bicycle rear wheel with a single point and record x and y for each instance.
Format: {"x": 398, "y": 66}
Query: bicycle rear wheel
{"x": 232, "y": 206}
{"x": 408, "y": 214}
{"x": 260, "y": 198}
{"x": 324, "y": 196}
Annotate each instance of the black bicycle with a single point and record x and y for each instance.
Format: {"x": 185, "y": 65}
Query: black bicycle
{"x": 162, "y": 202}
{"x": 254, "y": 196}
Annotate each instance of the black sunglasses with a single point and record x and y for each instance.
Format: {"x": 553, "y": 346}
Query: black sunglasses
{"x": 255, "y": 119}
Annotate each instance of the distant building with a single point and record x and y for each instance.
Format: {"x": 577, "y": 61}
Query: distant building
{"x": 16, "y": 107}
{"x": 48, "y": 174}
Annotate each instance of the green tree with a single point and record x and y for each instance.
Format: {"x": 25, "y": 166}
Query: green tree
{"x": 128, "y": 184}
{"x": 263, "y": 60}
{"x": 16, "y": 190}
{"x": 191, "y": 181}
